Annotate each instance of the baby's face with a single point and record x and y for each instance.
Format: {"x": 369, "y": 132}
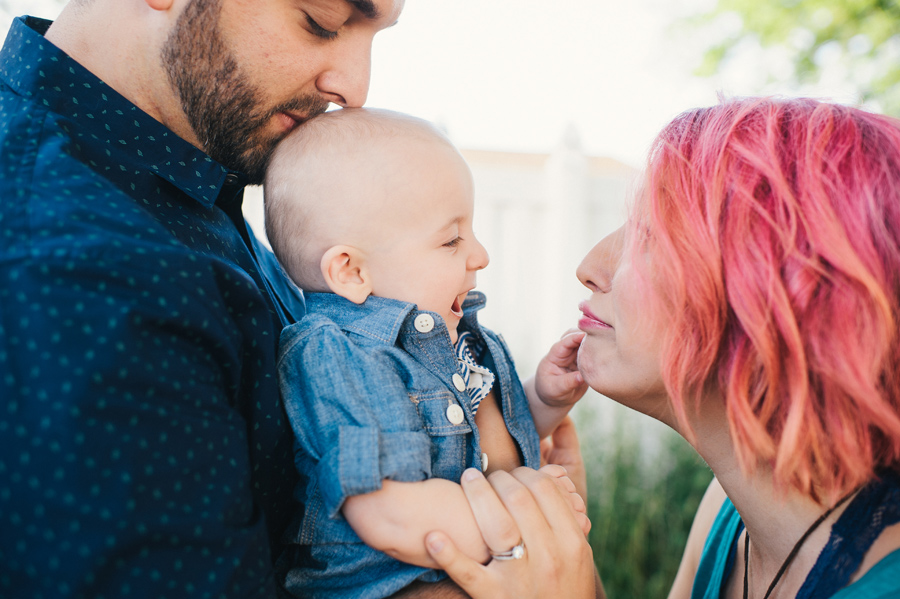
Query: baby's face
{"x": 429, "y": 254}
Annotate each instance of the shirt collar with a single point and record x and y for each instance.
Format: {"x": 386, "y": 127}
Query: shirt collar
{"x": 41, "y": 72}
{"x": 380, "y": 317}
{"x": 474, "y": 302}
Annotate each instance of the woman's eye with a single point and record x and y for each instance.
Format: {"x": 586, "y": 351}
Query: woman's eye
{"x": 320, "y": 31}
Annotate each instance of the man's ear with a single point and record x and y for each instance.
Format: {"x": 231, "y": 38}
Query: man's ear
{"x": 345, "y": 272}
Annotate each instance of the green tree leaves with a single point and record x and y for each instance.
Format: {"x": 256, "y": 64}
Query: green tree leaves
{"x": 863, "y": 36}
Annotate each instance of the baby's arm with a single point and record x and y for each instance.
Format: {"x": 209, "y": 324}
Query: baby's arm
{"x": 396, "y": 518}
{"x": 556, "y": 385}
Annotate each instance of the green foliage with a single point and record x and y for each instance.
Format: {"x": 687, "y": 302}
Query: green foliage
{"x": 864, "y": 33}
{"x": 641, "y": 502}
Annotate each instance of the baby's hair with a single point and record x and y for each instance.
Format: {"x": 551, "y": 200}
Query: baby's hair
{"x": 327, "y": 146}
{"x": 774, "y": 231}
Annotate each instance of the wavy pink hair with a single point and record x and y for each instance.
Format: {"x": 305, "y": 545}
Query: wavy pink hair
{"x": 774, "y": 231}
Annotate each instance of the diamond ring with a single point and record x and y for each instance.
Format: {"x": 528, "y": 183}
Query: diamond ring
{"x": 517, "y": 552}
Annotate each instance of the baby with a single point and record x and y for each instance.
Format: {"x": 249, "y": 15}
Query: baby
{"x": 392, "y": 387}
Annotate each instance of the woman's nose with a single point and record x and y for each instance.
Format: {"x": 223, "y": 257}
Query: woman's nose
{"x": 598, "y": 267}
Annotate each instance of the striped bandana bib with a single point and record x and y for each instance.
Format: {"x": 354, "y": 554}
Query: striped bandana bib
{"x": 478, "y": 379}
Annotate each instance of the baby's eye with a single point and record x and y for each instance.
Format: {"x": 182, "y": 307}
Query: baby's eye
{"x": 454, "y": 242}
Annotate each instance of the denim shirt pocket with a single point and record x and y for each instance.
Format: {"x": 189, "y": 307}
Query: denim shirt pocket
{"x": 449, "y": 441}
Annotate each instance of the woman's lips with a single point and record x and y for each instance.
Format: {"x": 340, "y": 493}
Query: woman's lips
{"x": 589, "y": 321}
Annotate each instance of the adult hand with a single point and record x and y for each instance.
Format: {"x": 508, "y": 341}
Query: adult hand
{"x": 563, "y": 448}
{"x": 527, "y": 506}
{"x": 576, "y": 502}
{"x": 446, "y": 589}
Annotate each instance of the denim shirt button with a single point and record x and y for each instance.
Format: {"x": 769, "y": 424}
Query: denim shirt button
{"x": 424, "y": 323}
{"x": 455, "y": 414}
{"x": 484, "y": 462}
{"x": 458, "y": 382}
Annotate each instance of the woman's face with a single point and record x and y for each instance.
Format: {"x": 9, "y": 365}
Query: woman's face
{"x": 620, "y": 354}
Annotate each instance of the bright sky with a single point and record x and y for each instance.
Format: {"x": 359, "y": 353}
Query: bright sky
{"x": 512, "y": 74}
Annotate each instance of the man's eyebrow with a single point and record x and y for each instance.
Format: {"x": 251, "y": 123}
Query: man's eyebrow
{"x": 366, "y": 7}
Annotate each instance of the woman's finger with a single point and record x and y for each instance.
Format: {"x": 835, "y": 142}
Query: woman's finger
{"x": 559, "y": 475}
{"x": 563, "y": 448}
{"x": 498, "y": 528}
{"x": 583, "y": 522}
{"x": 467, "y": 573}
{"x": 549, "y": 500}
{"x": 554, "y": 470}
{"x": 557, "y": 561}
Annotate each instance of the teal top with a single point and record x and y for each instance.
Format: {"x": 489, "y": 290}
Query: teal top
{"x": 717, "y": 560}
{"x": 880, "y": 582}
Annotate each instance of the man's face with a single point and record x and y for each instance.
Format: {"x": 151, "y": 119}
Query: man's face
{"x": 249, "y": 71}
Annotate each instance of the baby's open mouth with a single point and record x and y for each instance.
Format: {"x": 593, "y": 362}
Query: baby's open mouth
{"x": 456, "y": 308}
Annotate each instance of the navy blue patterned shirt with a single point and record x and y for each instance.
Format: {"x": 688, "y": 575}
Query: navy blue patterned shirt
{"x": 144, "y": 450}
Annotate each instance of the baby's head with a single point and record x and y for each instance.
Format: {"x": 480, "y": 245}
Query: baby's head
{"x": 366, "y": 202}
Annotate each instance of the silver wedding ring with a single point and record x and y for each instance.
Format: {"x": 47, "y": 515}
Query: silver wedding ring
{"x": 517, "y": 552}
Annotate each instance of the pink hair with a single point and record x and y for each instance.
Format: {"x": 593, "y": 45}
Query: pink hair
{"x": 774, "y": 231}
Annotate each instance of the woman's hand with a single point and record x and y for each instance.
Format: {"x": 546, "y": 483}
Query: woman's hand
{"x": 576, "y": 502}
{"x": 563, "y": 448}
{"x": 523, "y": 506}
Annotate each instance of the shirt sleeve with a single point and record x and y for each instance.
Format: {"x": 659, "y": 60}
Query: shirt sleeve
{"x": 350, "y": 412}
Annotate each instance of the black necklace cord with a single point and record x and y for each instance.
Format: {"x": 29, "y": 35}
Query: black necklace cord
{"x": 794, "y": 550}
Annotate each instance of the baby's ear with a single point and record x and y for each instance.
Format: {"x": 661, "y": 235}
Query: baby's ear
{"x": 345, "y": 273}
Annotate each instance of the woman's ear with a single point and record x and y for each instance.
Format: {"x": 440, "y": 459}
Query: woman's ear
{"x": 345, "y": 273}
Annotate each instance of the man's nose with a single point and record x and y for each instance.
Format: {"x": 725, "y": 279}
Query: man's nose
{"x": 346, "y": 81}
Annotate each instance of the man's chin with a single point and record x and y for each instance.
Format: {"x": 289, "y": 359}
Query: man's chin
{"x": 252, "y": 161}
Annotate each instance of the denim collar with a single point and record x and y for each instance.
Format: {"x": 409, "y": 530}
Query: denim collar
{"x": 382, "y": 318}
{"x": 41, "y": 72}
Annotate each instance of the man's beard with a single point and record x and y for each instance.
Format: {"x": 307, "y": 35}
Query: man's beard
{"x": 224, "y": 109}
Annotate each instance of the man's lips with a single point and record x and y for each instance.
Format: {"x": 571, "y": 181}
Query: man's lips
{"x": 290, "y": 120}
{"x": 589, "y": 321}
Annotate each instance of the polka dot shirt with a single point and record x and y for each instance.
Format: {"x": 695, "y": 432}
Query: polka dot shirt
{"x": 144, "y": 450}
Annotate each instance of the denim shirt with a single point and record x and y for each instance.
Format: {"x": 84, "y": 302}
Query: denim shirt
{"x": 367, "y": 390}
